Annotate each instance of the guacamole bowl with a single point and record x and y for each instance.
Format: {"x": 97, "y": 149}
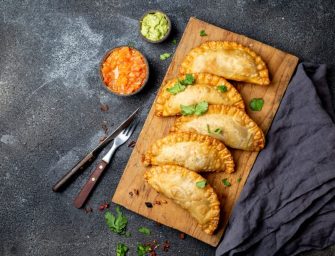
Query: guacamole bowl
{"x": 154, "y": 26}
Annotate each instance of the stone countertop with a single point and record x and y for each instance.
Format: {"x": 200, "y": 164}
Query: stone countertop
{"x": 50, "y": 96}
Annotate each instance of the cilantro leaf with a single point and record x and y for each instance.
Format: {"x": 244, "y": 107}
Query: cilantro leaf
{"x": 203, "y": 33}
{"x": 239, "y": 180}
{"x": 187, "y": 110}
{"x": 218, "y": 131}
{"x": 121, "y": 249}
{"x": 174, "y": 41}
{"x": 201, "y": 108}
{"x": 189, "y": 79}
{"x": 116, "y": 224}
{"x": 142, "y": 250}
{"x": 256, "y": 104}
{"x": 226, "y": 183}
{"x": 178, "y": 87}
{"x": 201, "y": 184}
{"x": 222, "y": 88}
{"x": 165, "y": 56}
{"x": 144, "y": 230}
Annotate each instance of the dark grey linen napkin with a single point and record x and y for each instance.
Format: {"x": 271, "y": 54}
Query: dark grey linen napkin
{"x": 287, "y": 205}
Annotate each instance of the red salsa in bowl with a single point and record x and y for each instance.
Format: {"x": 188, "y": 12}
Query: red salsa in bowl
{"x": 124, "y": 71}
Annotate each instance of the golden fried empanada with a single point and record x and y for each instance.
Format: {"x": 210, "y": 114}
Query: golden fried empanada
{"x": 206, "y": 87}
{"x": 191, "y": 150}
{"x": 227, "y": 59}
{"x": 228, "y": 124}
{"x": 182, "y": 186}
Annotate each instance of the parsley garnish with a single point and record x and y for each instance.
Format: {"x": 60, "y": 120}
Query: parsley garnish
{"x": 144, "y": 230}
{"x": 239, "y": 180}
{"x": 218, "y": 131}
{"x": 208, "y": 129}
{"x": 226, "y": 183}
{"x": 203, "y": 33}
{"x": 121, "y": 249}
{"x": 142, "y": 250}
{"x": 187, "y": 110}
{"x": 181, "y": 84}
{"x": 197, "y": 109}
{"x": 116, "y": 224}
{"x": 174, "y": 41}
{"x": 201, "y": 108}
{"x": 189, "y": 79}
{"x": 165, "y": 56}
{"x": 178, "y": 87}
{"x": 201, "y": 184}
{"x": 256, "y": 104}
{"x": 222, "y": 88}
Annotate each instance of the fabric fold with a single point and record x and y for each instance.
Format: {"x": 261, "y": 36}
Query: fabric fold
{"x": 293, "y": 178}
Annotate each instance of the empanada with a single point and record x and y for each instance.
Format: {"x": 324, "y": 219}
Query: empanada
{"x": 206, "y": 87}
{"x": 191, "y": 150}
{"x": 236, "y": 128}
{"x": 180, "y": 185}
{"x": 227, "y": 59}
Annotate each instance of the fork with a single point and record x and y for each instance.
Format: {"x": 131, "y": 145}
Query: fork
{"x": 84, "y": 193}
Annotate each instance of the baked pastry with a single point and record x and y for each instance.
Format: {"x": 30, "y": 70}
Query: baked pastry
{"x": 189, "y": 190}
{"x": 206, "y": 87}
{"x": 228, "y": 124}
{"x": 199, "y": 153}
{"x": 227, "y": 59}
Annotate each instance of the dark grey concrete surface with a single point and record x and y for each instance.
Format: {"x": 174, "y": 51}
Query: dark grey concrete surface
{"x": 50, "y": 96}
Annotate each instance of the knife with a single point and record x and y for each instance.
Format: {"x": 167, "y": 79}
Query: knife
{"x": 83, "y": 163}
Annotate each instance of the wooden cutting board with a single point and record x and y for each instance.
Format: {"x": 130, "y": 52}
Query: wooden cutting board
{"x": 281, "y": 66}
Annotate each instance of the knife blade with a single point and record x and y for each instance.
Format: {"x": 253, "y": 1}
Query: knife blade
{"x": 88, "y": 159}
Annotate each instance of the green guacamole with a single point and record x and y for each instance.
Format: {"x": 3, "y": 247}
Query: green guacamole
{"x": 154, "y": 26}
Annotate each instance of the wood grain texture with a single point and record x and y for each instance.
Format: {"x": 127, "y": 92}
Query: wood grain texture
{"x": 281, "y": 67}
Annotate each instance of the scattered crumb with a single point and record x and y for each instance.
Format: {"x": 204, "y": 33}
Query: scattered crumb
{"x": 88, "y": 209}
{"x": 105, "y": 127}
{"x": 103, "y": 206}
{"x": 104, "y": 107}
{"x": 102, "y": 138}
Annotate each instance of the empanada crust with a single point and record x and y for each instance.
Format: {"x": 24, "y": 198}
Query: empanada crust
{"x": 230, "y": 60}
{"x": 238, "y": 129}
{"x": 204, "y": 89}
{"x": 179, "y": 184}
{"x": 196, "y": 152}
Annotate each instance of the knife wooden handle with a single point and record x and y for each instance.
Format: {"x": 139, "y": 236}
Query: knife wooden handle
{"x": 84, "y": 193}
{"x": 74, "y": 172}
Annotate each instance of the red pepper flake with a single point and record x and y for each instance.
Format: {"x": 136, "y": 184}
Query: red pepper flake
{"x": 104, "y": 107}
{"x": 148, "y": 204}
{"x": 181, "y": 236}
{"x": 103, "y": 206}
{"x": 105, "y": 127}
{"x": 157, "y": 202}
{"x": 88, "y": 209}
{"x": 166, "y": 246}
{"x": 136, "y": 191}
{"x": 132, "y": 144}
{"x": 131, "y": 194}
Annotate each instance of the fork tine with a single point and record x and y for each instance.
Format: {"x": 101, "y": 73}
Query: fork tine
{"x": 132, "y": 128}
{"x": 125, "y": 131}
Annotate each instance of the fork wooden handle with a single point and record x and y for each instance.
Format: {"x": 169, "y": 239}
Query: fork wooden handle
{"x": 85, "y": 192}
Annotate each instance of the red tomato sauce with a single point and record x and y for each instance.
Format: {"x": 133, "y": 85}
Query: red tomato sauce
{"x": 124, "y": 71}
